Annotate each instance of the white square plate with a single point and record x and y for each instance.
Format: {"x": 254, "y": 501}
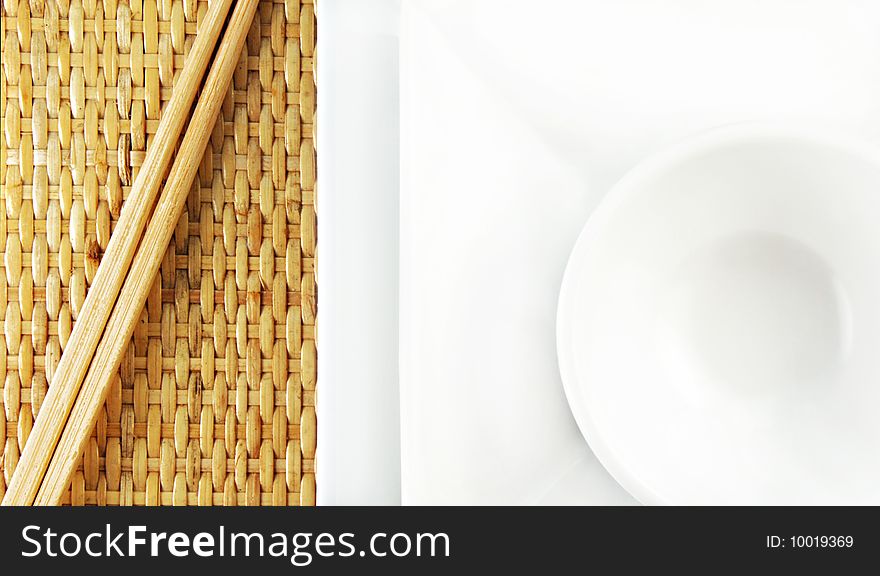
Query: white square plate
{"x": 516, "y": 118}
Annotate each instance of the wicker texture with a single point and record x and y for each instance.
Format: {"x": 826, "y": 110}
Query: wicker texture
{"x": 214, "y": 403}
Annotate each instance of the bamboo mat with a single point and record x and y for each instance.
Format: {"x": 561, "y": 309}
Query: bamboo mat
{"x": 214, "y": 401}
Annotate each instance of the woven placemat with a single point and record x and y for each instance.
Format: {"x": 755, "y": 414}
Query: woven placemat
{"x": 214, "y": 403}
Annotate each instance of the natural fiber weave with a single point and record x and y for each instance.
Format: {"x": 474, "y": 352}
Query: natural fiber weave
{"x": 214, "y": 403}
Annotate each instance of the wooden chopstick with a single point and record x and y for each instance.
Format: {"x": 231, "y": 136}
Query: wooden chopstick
{"x": 146, "y": 261}
{"x": 114, "y": 265}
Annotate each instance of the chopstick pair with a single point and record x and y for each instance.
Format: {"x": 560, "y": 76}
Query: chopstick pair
{"x": 106, "y": 323}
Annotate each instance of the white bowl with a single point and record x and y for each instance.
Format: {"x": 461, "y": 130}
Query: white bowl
{"x": 718, "y": 327}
